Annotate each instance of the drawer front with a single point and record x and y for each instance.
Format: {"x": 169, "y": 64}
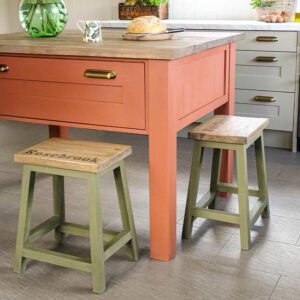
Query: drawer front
{"x": 280, "y": 112}
{"x": 58, "y": 90}
{"x": 269, "y": 41}
{"x": 270, "y": 76}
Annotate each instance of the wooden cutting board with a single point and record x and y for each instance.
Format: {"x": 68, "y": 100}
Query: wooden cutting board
{"x": 148, "y": 37}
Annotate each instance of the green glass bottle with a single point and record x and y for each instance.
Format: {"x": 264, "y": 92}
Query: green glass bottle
{"x": 43, "y": 18}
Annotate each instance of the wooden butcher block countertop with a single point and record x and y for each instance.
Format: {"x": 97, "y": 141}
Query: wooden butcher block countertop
{"x": 70, "y": 43}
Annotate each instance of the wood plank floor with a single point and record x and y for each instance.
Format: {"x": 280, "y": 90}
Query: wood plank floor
{"x": 210, "y": 266}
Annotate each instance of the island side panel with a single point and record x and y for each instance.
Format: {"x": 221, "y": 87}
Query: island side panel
{"x": 201, "y": 84}
{"x": 162, "y": 160}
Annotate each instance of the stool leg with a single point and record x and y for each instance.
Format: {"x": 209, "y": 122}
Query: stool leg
{"x": 242, "y": 177}
{"x": 25, "y": 214}
{"x": 59, "y": 205}
{"x": 215, "y": 175}
{"x": 262, "y": 174}
{"x": 126, "y": 210}
{"x": 193, "y": 190}
{"x": 96, "y": 234}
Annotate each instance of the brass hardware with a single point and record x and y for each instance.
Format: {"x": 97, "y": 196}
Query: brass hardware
{"x": 266, "y": 59}
{"x": 103, "y": 74}
{"x": 4, "y": 68}
{"x": 264, "y": 99}
{"x": 270, "y": 39}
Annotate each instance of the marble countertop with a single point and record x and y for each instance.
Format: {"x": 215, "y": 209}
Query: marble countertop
{"x": 113, "y": 46}
{"x": 216, "y": 25}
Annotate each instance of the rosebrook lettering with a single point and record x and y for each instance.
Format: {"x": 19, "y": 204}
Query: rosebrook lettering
{"x": 62, "y": 156}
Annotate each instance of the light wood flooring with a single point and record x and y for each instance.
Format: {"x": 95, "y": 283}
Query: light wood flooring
{"x": 210, "y": 266}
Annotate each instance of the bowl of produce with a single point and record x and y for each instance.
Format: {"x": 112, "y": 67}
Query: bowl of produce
{"x": 274, "y": 11}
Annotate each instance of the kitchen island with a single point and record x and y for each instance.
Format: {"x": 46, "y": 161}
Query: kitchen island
{"x": 150, "y": 88}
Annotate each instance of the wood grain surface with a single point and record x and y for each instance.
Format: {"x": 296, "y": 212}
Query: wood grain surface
{"x": 147, "y": 37}
{"x": 76, "y": 155}
{"x": 229, "y": 129}
{"x": 113, "y": 45}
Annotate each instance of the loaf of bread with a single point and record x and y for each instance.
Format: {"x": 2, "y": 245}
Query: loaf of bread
{"x": 147, "y": 24}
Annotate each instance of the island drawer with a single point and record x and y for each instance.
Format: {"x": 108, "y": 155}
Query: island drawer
{"x": 269, "y": 41}
{"x": 280, "y": 111}
{"x": 69, "y": 90}
{"x": 264, "y": 71}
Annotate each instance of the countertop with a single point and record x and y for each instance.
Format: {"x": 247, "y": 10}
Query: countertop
{"x": 113, "y": 46}
{"x": 217, "y": 25}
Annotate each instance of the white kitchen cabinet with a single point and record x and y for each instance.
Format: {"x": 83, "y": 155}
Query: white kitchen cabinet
{"x": 267, "y": 81}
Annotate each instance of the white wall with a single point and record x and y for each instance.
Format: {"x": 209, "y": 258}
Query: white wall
{"x": 9, "y": 16}
{"x": 78, "y": 9}
{"x": 211, "y": 9}
{"x": 95, "y": 9}
{"x": 179, "y": 9}
{"x": 108, "y": 9}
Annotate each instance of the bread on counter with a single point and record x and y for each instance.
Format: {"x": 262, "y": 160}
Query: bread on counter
{"x": 147, "y": 24}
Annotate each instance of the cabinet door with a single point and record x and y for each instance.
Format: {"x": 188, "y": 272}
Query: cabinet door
{"x": 278, "y": 75}
{"x": 280, "y": 112}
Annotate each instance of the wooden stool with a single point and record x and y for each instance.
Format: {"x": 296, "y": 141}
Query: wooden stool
{"x": 84, "y": 160}
{"x": 228, "y": 133}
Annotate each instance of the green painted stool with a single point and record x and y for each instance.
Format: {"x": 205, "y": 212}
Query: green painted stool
{"x": 228, "y": 133}
{"x": 84, "y": 160}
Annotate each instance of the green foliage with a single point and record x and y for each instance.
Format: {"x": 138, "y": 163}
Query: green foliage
{"x": 260, "y": 3}
{"x": 152, "y": 2}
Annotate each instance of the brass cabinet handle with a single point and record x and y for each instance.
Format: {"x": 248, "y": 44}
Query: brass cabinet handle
{"x": 4, "y": 68}
{"x": 270, "y": 39}
{"x": 266, "y": 59}
{"x": 103, "y": 74}
{"x": 264, "y": 99}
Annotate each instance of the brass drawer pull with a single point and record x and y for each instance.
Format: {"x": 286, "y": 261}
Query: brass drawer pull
{"x": 266, "y": 59}
{"x": 270, "y": 39}
{"x": 4, "y": 68}
{"x": 264, "y": 99}
{"x": 103, "y": 74}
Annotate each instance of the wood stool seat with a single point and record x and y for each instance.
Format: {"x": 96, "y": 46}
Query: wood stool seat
{"x": 229, "y": 129}
{"x": 228, "y": 133}
{"x": 87, "y": 161}
{"x": 86, "y": 156}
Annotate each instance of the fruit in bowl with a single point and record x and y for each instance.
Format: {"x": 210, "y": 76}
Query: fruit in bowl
{"x": 276, "y": 17}
{"x": 274, "y": 11}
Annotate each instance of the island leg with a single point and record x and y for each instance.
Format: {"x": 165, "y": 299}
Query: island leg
{"x": 162, "y": 162}
{"x": 58, "y": 131}
{"x": 228, "y": 109}
{"x": 58, "y": 185}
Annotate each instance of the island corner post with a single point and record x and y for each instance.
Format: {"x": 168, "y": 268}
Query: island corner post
{"x": 178, "y": 86}
{"x": 166, "y": 119}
